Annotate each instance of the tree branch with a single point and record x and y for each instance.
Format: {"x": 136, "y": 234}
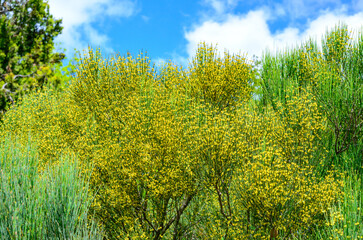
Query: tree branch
{"x": 23, "y": 76}
{"x": 221, "y": 202}
{"x": 7, "y": 93}
{"x": 177, "y": 216}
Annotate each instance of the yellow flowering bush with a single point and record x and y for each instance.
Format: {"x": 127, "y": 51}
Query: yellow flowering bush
{"x": 40, "y": 115}
{"x": 279, "y": 187}
{"x": 184, "y": 154}
{"x": 221, "y": 82}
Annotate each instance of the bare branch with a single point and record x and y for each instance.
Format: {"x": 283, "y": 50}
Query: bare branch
{"x": 178, "y": 214}
{"x": 19, "y": 75}
{"x": 7, "y": 93}
{"x": 221, "y": 202}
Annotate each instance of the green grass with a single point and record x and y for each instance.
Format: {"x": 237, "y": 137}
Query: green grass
{"x": 35, "y": 204}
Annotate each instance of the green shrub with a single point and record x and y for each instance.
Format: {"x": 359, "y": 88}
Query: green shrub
{"x": 42, "y": 204}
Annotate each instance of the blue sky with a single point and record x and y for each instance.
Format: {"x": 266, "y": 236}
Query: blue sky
{"x": 171, "y": 29}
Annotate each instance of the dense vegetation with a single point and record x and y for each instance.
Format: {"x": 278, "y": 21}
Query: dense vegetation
{"x": 27, "y": 57}
{"x": 223, "y": 149}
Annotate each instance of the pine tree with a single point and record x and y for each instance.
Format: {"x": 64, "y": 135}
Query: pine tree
{"x": 27, "y": 32}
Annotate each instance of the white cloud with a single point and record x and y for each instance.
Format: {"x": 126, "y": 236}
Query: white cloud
{"x": 235, "y": 34}
{"x": 221, "y": 6}
{"x": 175, "y": 58}
{"x": 159, "y": 62}
{"x": 251, "y": 34}
{"x": 78, "y": 16}
{"x": 327, "y": 21}
{"x": 217, "y": 5}
{"x": 98, "y": 40}
{"x": 279, "y": 10}
{"x": 304, "y": 8}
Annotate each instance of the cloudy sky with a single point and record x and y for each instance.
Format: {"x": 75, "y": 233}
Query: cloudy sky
{"x": 172, "y": 29}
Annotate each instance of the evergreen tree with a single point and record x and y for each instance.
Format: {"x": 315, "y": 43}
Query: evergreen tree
{"x": 27, "y": 32}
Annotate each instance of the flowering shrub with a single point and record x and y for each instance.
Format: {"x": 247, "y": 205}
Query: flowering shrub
{"x": 185, "y": 154}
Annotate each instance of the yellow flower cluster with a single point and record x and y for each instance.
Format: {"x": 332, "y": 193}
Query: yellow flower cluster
{"x": 279, "y": 185}
{"x": 183, "y": 153}
{"x": 220, "y": 81}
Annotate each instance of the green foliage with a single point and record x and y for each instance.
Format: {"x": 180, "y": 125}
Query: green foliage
{"x": 42, "y": 204}
{"x": 340, "y": 86}
{"x": 172, "y": 161}
{"x": 345, "y": 219}
{"x": 27, "y": 32}
{"x": 334, "y": 76}
{"x": 279, "y": 186}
